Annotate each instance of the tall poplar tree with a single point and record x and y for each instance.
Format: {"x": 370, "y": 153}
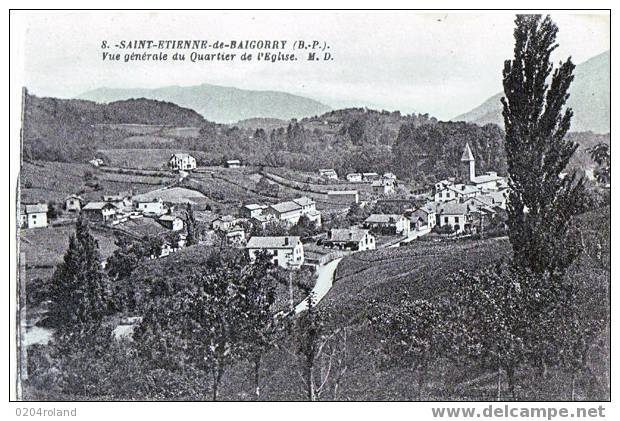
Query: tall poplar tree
{"x": 542, "y": 198}
{"x": 78, "y": 291}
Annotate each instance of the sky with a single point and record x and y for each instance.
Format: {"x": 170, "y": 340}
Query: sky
{"x": 443, "y": 64}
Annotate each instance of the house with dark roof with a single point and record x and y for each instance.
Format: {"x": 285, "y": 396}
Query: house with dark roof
{"x": 171, "y": 222}
{"x": 353, "y": 239}
{"x": 99, "y": 212}
{"x": 73, "y": 203}
{"x": 285, "y": 251}
{"x": 388, "y": 223}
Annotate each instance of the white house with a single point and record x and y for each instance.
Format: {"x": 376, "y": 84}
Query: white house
{"x": 289, "y": 212}
{"x": 308, "y": 208}
{"x": 424, "y": 216}
{"x": 350, "y": 239}
{"x": 233, "y": 163}
{"x": 73, "y": 203}
{"x": 182, "y": 161}
{"x": 445, "y": 194}
{"x": 354, "y": 177}
{"x": 454, "y": 214}
{"x": 96, "y": 162}
{"x": 151, "y": 207}
{"x": 384, "y": 186}
{"x": 398, "y": 224}
{"x": 252, "y": 210}
{"x": 287, "y": 252}
{"x": 33, "y": 216}
{"x": 328, "y": 173}
{"x": 370, "y": 176}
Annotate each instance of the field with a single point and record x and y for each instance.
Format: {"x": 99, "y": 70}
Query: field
{"x": 177, "y": 195}
{"x": 140, "y": 158}
{"x": 53, "y": 181}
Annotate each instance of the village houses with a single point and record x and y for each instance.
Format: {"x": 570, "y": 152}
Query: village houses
{"x": 99, "y": 212}
{"x": 153, "y": 207}
{"x": 328, "y": 173}
{"x": 233, "y": 163}
{"x": 172, "y": 222}
{"x": 73, "y": 203}
{"x": 286, "y": 251}
{"x": 384, "y": 186}
{"x": 454, "y": 214}
{"x": 291, "y": 211}
{"x": 424, "y": 217}
{"x": 354, "y": 177}
{"x": 34, "y": 215}
{"x": 353, "y": 239}
{"x": 182, "y": 161}
{"x": 388, "y": 223}
{"x": 252, "y": 210}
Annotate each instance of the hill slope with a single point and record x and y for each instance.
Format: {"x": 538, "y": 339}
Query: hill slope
{"x": 67, "y": 129}
{"x": 589, "y": 99}
{"x": 219, "y": 103}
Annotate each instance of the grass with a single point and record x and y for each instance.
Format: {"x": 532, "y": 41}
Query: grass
{"x": 177, "y": 195}
{"x": 140, "y": 158}
{"x": 53, "y": 181}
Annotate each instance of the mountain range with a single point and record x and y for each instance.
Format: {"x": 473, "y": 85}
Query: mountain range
{"x": 220, "y": 103}
{"x": 589, "y": 99}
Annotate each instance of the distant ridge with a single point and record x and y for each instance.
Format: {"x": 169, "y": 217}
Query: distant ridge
{"x": 589, "y": 99}
{"x": 219, "y": 103}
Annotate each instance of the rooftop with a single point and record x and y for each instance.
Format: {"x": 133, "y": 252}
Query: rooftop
{"x": 463, "y": 188}
{"x": 254, "y": 206}
{"x": 332, "y": 192}
{"x": 467, "y": 155}
{"x": 273, "y": 242}
{"x": 286, "y": 207}
{"x": 383, "y": 218}
{"x": 181, "y": 155}
{"x": 304, "y": 201}
{"x": 36, "y": 208}
{"x": 454, "y": 208}
{"x": 344, "y": 235}
{"x": 98, "y": 205}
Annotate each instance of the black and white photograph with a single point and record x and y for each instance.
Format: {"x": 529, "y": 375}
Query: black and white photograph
{"x": 316, "y": 205}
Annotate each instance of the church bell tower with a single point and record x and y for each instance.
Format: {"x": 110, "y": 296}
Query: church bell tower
{"x": 468, "y": 165}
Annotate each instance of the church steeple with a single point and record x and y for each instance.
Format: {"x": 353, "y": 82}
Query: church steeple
{"x": 468, "y": 157}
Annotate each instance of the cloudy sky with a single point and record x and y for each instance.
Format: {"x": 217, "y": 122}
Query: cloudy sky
{"x": 441, "y": 64}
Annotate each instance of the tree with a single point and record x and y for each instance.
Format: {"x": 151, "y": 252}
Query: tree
{"x": 191, "y": 226}
{"x": 304, "y": 227}
{"x": 542, "y": 200}
{"x": 79, "y": 292}
{"x": 601, "y": 155}
{"x": 412, "y": 335}
{"x": 198, "y": 325}
{"x": 257, "y": 293}
{"x": 488, "y": 317}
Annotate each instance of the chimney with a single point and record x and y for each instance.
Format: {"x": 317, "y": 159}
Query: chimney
{"x": 286, "y": 241}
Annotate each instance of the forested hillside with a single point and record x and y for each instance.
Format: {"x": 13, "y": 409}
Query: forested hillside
{"x": 68, "y": 130}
